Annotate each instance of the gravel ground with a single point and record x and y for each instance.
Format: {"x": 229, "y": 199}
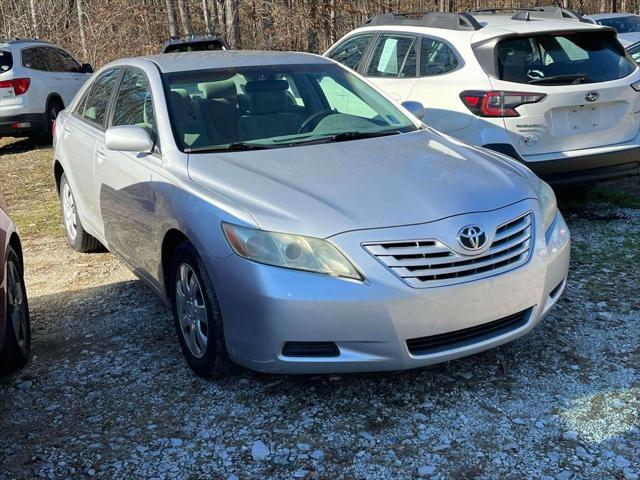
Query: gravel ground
{"x": 108, "y": 394}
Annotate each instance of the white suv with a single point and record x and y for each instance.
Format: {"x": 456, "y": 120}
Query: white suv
{"x": 37, "y": 80}
{"x": 560, "y": 96}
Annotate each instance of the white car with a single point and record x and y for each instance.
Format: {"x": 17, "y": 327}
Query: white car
{"x": 626, "y": 24}
{"x": 558, "y": 95}
{"x": 37, "y": 80}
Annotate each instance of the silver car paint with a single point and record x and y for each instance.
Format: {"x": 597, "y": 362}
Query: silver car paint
{"x": 423, "y": 180}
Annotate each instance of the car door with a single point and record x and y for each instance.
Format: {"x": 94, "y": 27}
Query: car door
{"x": 123, "y": 179}
{"x": 393, "y": 63}
{"x": 441, "y": 79}
{"x": 72, "y": 73}
{"x": 62, "y": 82}
{"x": 85, "y": 127}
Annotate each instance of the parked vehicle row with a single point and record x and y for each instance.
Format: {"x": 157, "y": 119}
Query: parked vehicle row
{"x": 305, "y": 214}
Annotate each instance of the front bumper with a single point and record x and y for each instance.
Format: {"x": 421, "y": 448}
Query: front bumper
{"x": 22, "y": 125}
{"x": 265, "y": 307}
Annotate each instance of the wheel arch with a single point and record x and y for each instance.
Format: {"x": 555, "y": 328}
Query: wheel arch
{"x": 54, "y": 96}
{"x": 58, "y": 171}
{"x": 172, "y": 238}
{"x": 16, "y": 244}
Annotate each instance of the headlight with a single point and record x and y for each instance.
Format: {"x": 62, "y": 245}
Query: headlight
{"x": 289, "y": 251}
{"x": 548, "y": 204}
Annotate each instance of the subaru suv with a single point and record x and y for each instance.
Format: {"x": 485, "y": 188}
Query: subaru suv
{"x": 37, "y": 80}
{"x": 556, "y": 93}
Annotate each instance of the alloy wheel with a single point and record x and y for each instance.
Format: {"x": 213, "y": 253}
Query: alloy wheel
{"x": 69, "y": 212}
{"x": 192, "y": 310}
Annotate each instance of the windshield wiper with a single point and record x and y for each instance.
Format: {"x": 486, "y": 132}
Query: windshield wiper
{"x": 345, "y": 137}
{"x": 232, "y": 147}
{"x": 569, "y": 79}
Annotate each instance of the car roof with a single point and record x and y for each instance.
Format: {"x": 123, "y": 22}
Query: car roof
{"x": 187, "y": 61}
{"x": 505, "y": 27}
{"x": 23, "y": 41}
{"x": 602, "y": 16}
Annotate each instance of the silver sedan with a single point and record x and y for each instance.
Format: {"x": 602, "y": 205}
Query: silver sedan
{"x": 295, "y": 219}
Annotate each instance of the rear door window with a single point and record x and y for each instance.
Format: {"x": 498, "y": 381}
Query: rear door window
{"x": 350, "y": 52}
{"x": 94, "y": 107}
{"x": 436, "y": 58}
{"x": 389, "y": 55}
{"x": 51, "y": 59}
{"x": 32, "y": 59}
{"x": 6, "y": 61}
{"x": 562, "y": 59}
{"x": 69, "y": 64}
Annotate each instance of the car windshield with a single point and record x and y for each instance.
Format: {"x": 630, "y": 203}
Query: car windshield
{"x": 563, "y": 58}
{"x": 276, "y": 106}
{"x": 622, "y": 24}
{"x": 6, "y": 61}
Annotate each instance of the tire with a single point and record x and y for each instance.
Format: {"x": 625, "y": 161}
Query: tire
{"x": 17, "y": 342}
{"x": 77, "y": 237}
{"x": 54, "y": 107}
{"x": 197, "y": 315}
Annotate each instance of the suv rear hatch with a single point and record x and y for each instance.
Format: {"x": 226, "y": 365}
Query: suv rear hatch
{"x": 580, "y": 90}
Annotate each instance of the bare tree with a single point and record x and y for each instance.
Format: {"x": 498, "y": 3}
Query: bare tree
{"x": 34, "y": 22}
{"x": 206, "y": 18}
{"x": 171, "y": 16}
{"x": 232, "y": 18}
{"x": 83, "y": 39}
{"x": 185, "y": 19}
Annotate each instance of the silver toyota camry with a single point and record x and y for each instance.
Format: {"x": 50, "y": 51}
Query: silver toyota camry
{"x": 297, "y": 220}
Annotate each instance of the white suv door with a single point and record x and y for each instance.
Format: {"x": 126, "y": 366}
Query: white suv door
{"x": 66, "y": 73}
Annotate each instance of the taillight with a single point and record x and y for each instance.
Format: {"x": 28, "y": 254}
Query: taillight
{"x": 19, "y": 85}
{"x": 498, "y": 103}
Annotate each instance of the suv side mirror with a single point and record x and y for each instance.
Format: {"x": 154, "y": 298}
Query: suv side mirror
{"x": 86, "y": 68}
{"x": 128, "y": 138}
{"x": 415, "y": 108}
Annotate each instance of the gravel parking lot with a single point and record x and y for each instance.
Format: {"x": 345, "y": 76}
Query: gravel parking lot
{"x": 108, "y": 394}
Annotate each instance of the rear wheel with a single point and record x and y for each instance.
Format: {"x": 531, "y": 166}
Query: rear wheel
{"x": 54, "y": 107}
{"x": 77, "y": 237}
{"x": 197, "y": 316}
{"x": 17, "y": 342}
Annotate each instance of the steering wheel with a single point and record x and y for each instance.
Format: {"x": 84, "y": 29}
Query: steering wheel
{"x": 312, "y": 122}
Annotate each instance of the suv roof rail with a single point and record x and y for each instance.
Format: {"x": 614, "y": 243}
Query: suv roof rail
{"x": 529, "y": 13}
{"x": 445, "y": 20}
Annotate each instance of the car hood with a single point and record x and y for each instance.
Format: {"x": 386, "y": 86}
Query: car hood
{"x": 323, "y": 190}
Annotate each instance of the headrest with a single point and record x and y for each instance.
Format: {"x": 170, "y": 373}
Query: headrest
{"x": 220, "y": 89}
{"x": 268, "y": 101}
{"x": 266, "y": 86}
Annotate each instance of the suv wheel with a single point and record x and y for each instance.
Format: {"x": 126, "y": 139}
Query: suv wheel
{"x": 54, "y": 107}
{"x": 77, "y": 237}
{"x": 17, "y": 342}
{"x": 196, "y": 314}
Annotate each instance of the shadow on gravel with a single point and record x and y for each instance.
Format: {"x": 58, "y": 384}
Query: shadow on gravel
{"x": 22, "y": 145}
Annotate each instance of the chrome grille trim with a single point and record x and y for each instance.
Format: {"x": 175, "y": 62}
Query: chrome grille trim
{"x": 430, "y": 263}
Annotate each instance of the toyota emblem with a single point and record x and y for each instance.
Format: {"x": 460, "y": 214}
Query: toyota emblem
{"x": 472, "y": 237}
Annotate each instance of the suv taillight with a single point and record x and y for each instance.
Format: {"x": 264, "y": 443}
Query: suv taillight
{"x": 498, "y": 103}
{"x": 19, "y": 85}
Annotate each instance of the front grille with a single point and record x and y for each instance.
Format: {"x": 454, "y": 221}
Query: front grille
{"x": 468, "y": 336}
{"x": 310, "y": 349}
{"x": 430, "y": 263}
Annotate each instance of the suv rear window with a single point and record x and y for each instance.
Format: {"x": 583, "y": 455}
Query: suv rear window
{"x": 6, "y": 61}
{"x": 562, "y": 59}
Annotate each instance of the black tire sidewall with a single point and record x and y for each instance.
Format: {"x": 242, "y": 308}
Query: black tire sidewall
{"x": 212, "y": 362}
{"x": 11, "y": 357}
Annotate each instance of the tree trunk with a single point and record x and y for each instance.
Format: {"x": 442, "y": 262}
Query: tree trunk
{"x": 83, "y": 39}
{"x": 232, "y": 17}
{"x": 183, "y": 8}
{"x": 34, "y": 22}
{"x": 171, "y": 16}
{"x": 207, "y": 19}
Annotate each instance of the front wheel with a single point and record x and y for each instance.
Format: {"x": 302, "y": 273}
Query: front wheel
{"x": 17, "y": 342}
{"x": 77, "y": 237}
{"x": 197, "y": 316}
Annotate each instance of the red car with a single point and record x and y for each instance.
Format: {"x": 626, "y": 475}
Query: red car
{"x": 15, "y": 326}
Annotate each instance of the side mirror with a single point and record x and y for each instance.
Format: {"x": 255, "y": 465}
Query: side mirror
{"x": 86, "y": 68}
{"x": 415, "y": 108}
{"x": 128, "y": 138}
